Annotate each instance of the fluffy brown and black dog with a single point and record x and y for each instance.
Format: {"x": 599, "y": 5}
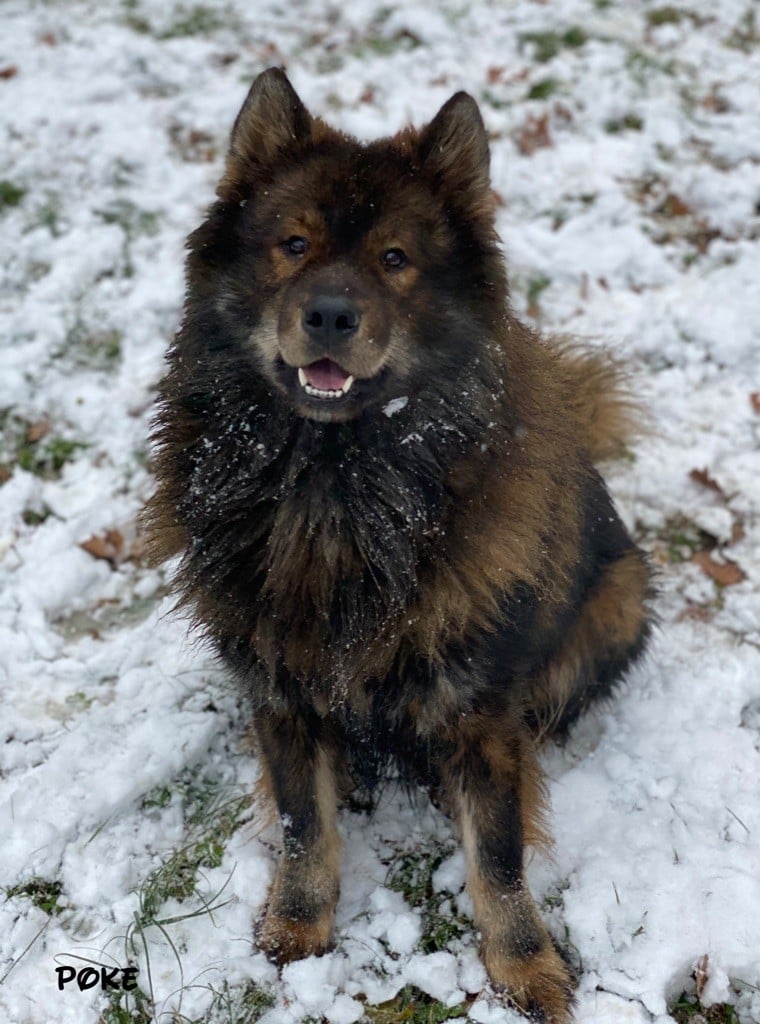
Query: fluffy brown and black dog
{"x": 381, "y": 484}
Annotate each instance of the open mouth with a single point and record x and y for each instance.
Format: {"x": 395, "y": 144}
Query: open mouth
{"x": 325, "y": 380}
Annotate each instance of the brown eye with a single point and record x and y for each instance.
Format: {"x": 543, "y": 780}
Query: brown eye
{"x": 394, "y": 259}
{"x": 295, "y": 246}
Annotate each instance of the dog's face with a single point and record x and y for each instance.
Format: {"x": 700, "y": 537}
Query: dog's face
{"x": 353, "y": 274}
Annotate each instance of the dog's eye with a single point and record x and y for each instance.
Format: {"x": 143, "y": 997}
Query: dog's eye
{"x": 394, "y": 259}
{"x": 295, "y": 246}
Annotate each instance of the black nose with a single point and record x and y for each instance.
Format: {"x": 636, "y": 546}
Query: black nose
{"x": 329, "y": 318}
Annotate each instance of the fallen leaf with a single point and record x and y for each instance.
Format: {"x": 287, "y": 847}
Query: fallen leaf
{"x": 534, "y": 135}
{"x": 36, "y": 431}
{"x": 737, "y": 531}
{"x": 673, "y": 206}
{"x": 724, "y": 573}
{"x": 754, "y": 401}
{"x": 9, "y": 72}
{"x": 701, "y": 476}
{"x": 702, "y": 236}
{"x": 701, "y": 974}
{"x": 494, "y": 75}
{"x": 108, "y": 546}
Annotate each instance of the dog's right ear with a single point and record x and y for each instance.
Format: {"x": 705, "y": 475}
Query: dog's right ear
{"x": 271, "y": 119}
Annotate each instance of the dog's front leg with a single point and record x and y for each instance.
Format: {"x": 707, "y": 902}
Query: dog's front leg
{"x": 494, "y": 788}
{"x": 299, "y": 774}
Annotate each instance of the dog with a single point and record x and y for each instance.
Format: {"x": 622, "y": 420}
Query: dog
{"x": 382, "y": 487}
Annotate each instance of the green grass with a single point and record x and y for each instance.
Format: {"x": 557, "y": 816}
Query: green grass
{"x": 10, "y": 195}
{"x": 411, "y": 1006}
{"x": 384, "y": 46}
{"x": 98, "y": 349}
{"x": 682, "y": 538}
{"x": 666, "y": 16}
{"x": 47, "y": 458}
{"x": 131, "y": 218}
{"x": 44, "y": 457}
{"x": 43, "y": 893}
{"x": 548, "y": 44}
{"x": 128, "y": 1008}
{"x": 627, "y": 123}
{"x": 745, "y": 36}
{"x": 79, "y": 701}
{"x": 239, "y": 1005}
{"x": 193, "y": 21}
{"x": 536, "y": 285}
{"x": 212, "y": 814}
{"x": 688, "y": 1010}
{"x": 178, "y": 877}
{"x": 35, "y": 517}
{"x": 543, "y": 88}
{"x": 49, "y": 216}
{"x": 411, "y": 874}
{"x": 642, "y": 67}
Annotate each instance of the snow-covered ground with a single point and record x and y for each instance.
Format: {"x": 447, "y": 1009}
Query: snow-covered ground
{"x": 626, "y": 149}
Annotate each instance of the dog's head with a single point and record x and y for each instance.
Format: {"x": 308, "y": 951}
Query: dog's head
{"x": 352, "y": 274}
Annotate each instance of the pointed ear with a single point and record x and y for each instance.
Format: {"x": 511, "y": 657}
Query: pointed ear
{"x": 271, "y": 119}
{"x": 454, "y": 146}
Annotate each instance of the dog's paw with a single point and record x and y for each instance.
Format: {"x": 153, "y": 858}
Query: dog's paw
{"x": 283, "y": 939}
{"x": 541, "y": 986}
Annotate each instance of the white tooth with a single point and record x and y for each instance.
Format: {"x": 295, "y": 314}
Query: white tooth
{"x": 347, "y": 386}
{"x": 302, "y": 377}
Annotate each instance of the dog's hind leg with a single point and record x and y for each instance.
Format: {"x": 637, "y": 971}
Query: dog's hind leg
{"x": 299, "y": 775}
{"x": 494, "y": 785}
{"x": 609, "y": 632}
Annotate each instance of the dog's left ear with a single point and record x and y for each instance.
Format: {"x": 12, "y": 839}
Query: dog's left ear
{"x": 454, "y": 146}
{"x": 271, "y": 119}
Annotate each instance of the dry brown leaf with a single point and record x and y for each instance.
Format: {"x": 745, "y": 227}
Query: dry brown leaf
{"x": 725, "y": 573}
{"x": 701, "y": 476}
{"x": 494, "y": 75}
{"x": 534, "y": 135}
{"x": 737, "y": 531}
{"x": 9, "y": 72}
{"x": 701, "y": 974}
{"x": 108, "y": 546}
{"x": 673, "y": 206}
{"x": 754, "y": 400}
{"x": 36, "y": 431}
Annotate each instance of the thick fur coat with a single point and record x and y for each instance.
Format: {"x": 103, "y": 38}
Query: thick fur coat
{"x": 382, "y": 488}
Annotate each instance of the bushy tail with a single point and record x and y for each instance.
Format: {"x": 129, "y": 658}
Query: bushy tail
{"x": 599, "y": 394}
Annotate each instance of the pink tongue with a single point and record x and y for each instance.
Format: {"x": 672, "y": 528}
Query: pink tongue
{"x": 325, "y": 375}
